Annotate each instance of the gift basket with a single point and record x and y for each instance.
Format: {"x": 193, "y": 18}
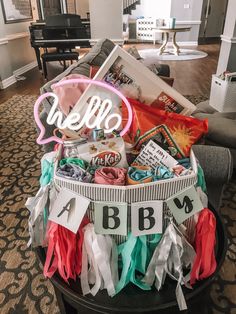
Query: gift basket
{"x": 122, "y": 196}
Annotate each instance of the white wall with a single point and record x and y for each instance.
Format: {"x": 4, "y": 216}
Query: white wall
{"x": 190, "y": 16}
{"x": 187, "y": 13}
{"x": 15, "y": 48}
{"x": 106, "y": 19}
{"x": 152, "y": 8}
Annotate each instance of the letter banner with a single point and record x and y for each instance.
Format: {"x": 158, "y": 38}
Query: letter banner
{"x": 146, "y": 217}
{"x": 110, "y": 218}
{"x": 184, "y": 204}
{"x": 69, "y": 209}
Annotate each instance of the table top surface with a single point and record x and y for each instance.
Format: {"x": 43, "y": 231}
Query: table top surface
{"x": 170, "y": 30}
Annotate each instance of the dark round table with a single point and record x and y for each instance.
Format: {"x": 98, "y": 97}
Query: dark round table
{"x": 134, "y": 300}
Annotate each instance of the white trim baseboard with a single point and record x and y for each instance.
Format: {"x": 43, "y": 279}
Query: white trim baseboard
{"x": 228, "y": 39}
{"x": 13, "y": 79}
{"x": 25, "y": 68}
{"x": 119, "y": 41}
{"x": 7, "y": 82}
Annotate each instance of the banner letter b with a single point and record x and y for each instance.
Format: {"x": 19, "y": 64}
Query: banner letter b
{"x": 149, "y": 216}
{"x": 108, "y": 216}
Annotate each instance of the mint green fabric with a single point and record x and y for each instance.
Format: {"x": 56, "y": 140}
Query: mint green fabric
{"x": 136, "y": 254}
{"x": 79, "y": 162}
{"x": 201, "y": 179}
{"x": 46, "y": 178}
{"x": 47, "y": 172}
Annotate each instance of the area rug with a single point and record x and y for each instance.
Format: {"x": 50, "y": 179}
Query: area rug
{"x": 185, "y": 54}
{"x": 23, "y": 288}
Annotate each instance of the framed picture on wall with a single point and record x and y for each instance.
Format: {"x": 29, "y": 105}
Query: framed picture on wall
{"x": 15, "y": 11}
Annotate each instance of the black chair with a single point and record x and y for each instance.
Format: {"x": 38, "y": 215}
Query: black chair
{"x": 62, "y": 27}
{"x": 58, "y": 55}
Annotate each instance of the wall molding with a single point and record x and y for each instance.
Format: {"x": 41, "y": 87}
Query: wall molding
{"x": 3, "y": 41}
{"x": 13, "y": 79}
{"x": 227, "y": 39}
{"x": 17, "y": 36}
{"x": 188, "y": 22}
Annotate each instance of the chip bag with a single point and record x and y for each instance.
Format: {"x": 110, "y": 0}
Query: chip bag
{"x": 184, "y": 130}
{"x": 167, "y": 103}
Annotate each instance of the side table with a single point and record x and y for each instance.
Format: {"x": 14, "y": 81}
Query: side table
{"x": 166, "y": 31}
{"x": 134, "y": 300}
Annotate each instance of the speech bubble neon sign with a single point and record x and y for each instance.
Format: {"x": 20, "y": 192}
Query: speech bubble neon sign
{"x": 95, "y": 106}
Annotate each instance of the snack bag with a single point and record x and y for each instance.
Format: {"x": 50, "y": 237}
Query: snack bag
{"x": 161, "y": 135}
{"x": 106, "y": 153}
{"x": 167, "y": 103}
{"x": 184, "y": 130}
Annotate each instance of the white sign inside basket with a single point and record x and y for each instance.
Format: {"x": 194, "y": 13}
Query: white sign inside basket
{"x": 153, "y": 155}
{"x": 96, "y": 114}
{"x": 69, "y": 209}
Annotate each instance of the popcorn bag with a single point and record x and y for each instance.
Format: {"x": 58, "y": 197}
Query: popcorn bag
{"x": 117, "y": 191}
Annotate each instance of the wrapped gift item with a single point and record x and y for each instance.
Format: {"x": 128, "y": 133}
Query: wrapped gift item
{"x": 139, "y": 174}
{"x": 111, "y": 176}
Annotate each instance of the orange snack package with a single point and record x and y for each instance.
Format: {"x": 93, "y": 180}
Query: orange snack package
{"x": 184, "y": 130}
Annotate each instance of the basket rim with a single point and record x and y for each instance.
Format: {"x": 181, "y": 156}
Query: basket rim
{"x": 193, "y": 161}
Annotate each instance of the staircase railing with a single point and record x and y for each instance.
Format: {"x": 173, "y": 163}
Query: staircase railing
{"x": 129, "y": 5}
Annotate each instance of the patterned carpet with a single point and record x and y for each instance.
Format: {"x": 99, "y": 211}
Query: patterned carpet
{"x": 23, "y": 288}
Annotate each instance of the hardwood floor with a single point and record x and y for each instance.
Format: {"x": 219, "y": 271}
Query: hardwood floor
{"x": 192, "y": 77}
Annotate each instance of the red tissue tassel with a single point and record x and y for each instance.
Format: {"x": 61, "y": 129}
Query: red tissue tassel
{"x": 205, "y": 262}
{"x": 64, "y": 251}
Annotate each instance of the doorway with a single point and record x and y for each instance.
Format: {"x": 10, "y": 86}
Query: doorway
{"x": 213, "y": 20}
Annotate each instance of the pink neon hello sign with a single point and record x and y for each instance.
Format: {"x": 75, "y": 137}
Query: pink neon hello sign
{"x": 41, "y": 140}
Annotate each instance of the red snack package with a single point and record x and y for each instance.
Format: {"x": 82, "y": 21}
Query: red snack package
{"x": 185, "y": 131}
{"x": 167, "y": 103}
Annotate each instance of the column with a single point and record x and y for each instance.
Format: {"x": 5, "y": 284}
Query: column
{"x": 227, "y": 59}
{"x": 106, "y": 20}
